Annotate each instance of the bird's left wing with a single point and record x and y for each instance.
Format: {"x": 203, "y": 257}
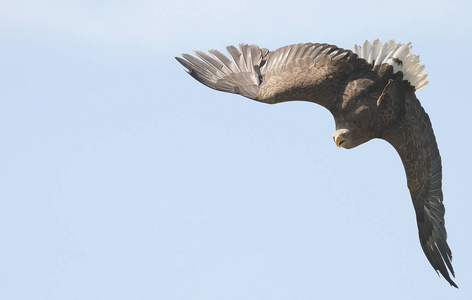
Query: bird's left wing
{"x": 414, "y": 140}
{"x": 309, "y": 72}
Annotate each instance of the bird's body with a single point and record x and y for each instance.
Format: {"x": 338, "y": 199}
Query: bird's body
{"x": 370, "y": 93}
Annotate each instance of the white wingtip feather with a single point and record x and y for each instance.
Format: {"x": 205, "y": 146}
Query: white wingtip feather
{"x": 399, "y": 56}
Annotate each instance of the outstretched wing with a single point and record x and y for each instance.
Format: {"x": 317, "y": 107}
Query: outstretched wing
{"x": 310, "y": 72}
{"x": 414, "y": 140}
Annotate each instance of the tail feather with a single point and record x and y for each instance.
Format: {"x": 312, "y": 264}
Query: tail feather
{"x": 397, "y": 55}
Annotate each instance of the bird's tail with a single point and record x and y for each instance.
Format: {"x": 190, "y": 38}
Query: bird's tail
{"x": 397, "y": 55}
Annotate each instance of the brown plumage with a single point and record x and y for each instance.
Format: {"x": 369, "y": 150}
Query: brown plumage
{"x": 367, "y": 98}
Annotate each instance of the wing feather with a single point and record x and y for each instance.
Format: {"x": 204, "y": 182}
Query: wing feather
{"x": 295, "y": 72}
{"x": 225, "y": 61}
{"x": 416, "y": 144}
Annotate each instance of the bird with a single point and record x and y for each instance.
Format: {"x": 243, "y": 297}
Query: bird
{"x": 371, "y": 93}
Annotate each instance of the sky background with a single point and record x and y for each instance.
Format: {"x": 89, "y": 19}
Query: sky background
{"x": 121, "y": 177}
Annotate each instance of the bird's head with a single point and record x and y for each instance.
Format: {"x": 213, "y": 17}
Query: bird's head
{"x": 342, "y": 138}
{"x": 361, "y": 117}
{"x": 348, "y": 139}
{"x": 356, "y": 126}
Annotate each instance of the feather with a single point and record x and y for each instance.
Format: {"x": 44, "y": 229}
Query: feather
{"x": 397, "y": 55}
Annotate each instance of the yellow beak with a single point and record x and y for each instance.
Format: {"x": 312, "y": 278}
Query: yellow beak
{"x": 337, "y": 140}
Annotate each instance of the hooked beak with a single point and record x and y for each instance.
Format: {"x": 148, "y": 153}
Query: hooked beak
{"x": 338, "y": 140}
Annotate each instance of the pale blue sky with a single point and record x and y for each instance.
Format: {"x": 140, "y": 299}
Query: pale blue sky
{"x": 124, "y": 178}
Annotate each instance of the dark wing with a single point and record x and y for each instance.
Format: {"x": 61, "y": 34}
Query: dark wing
{"x": 414, "y": 140}
{"x": 310, "y": 72}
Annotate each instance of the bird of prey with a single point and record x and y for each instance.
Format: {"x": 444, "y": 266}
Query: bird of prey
{"x": 371, "y": 94}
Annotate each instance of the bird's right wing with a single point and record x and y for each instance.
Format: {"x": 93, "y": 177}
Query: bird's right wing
{"x": 309, "y": 72}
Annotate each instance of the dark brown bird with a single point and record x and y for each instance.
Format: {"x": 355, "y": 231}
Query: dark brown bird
{"x": 370, "y": 93}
